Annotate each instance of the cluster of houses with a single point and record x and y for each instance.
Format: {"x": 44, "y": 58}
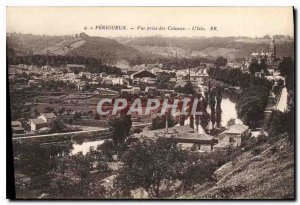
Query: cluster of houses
{"x": 43, "y": 121}
{"x": 192, "y": 140}
{"x": 39, "y": 124}
{"x": 77, "y": 74}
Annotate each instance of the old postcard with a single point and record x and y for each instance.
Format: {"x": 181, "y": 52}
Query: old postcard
{"x": 151, "y": 102}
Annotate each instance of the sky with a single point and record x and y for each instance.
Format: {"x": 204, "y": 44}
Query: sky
{"x": 228, "y": 21}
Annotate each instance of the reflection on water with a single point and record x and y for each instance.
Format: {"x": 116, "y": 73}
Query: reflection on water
{"x": 85, "y": 146}
{"x": 228, "y": 110}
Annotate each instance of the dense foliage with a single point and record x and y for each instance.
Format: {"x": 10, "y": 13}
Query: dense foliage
{"x": 287, "y": 69}
{"x": 162, "y": 168}
{"x": 187, "y": 89}
{"x": 159, "y": 122}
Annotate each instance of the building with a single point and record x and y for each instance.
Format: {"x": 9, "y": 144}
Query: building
{"x": 269, "y": 57}
{"x": 202, "y": 142}
{"x": 16, "y": 124}
{"x": 142, "y": 74}
{"x": 18, "y": 130}
{"x": 45, "y": 120}
{"x": 234, "y": 134}
{"x": 48, "y": 117}
{"x": 81, "y": 85}
{"x": 37, "y": 124}
{"x": 133, "y": 90}
{"x": 150, "y": 88}
{"x": 17, "y": 127}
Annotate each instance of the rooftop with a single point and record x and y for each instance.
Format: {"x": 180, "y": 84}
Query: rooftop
{"x": 197, "y": 136}
{"x": 37, "y": 121}
{"x": 49, "y": 115}
{"x": 16, "y": 123}
{"x": 237, "y": 129}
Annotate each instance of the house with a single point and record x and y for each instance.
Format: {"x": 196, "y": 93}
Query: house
{"x": 133, "y": 90}
{"x": 81, "y": 85}
{"x": 48, "y": 117}
{"x": 201, "y": 141}
{"x": 234, "y": 134}
{"x": 150, "y": 88}
{"x": 42, "y": 121}
{"x": 37, "y": 124}
{"x": 142, "y": 74}
{"x": 148, "y": 80}
{"x": 17, "y": 127}
{"x": 16, "y": 124}
{"x": 18, "y": 130}
{"x": 119, "y": 81}
{"x": 153, "y": 134}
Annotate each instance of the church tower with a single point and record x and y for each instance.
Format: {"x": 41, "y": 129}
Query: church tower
{"x": 273, "y": 50}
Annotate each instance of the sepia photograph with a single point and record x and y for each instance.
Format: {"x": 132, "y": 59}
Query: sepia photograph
{"x": 151, "y": 103}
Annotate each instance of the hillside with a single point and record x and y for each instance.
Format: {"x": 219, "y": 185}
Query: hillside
{"x": 265, "y": 172}
{"x": 26, "y": 44}
{"x": 108, "y": 50}
{"x": 229, "y": 47}
{"x": 112, "y": 51}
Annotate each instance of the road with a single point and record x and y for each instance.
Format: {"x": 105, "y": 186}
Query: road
{"x": 71, "y": 133}
{"x": 59, "y": 134}
{"x": 282, "y": 103}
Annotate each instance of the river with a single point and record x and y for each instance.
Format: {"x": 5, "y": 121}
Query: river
{"x": 228, "y": 112}
{"x": 85, "y": 146}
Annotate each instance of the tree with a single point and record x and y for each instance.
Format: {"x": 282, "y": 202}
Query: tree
{"x": 149, "y": 164}
{"x": 212, "y": 104}
{"x": 187, "y": 89}
{"x": 254, "y": 67}
{"x": 192, "y": 121}
{"x": 163, "y": 80}
{"x": 159, "y": 122}
{"x": 220, "y": 61}
{"x": 218, "y": 115}
{"x": 286, "y": 68}
{"x": 57, "y": 126}
{"x": 49, "y": 109}
{"x": 120, "y": 127}
{"x": 77, "y": 116}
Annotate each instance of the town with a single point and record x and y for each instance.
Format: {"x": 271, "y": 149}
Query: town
{"x": 55, "y": 107}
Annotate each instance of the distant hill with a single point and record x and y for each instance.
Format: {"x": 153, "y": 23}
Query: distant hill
{"x": 112, "y": 51}
{"x": 108, "y": 50}
{"x": 26, "y": 44}
{"x": 229, "y": 47}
